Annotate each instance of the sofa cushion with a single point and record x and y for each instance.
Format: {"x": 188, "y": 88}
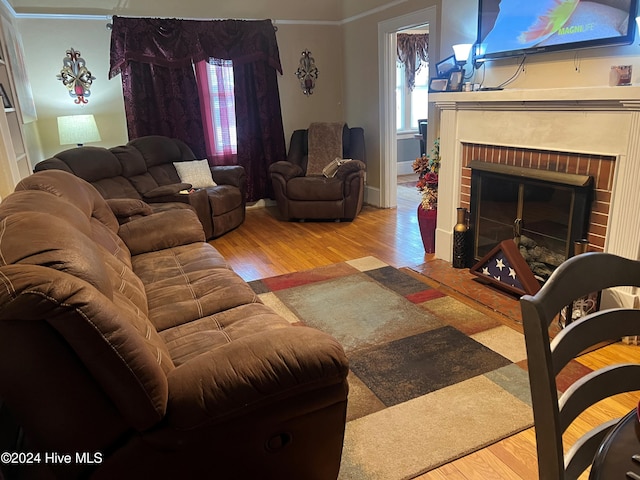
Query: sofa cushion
{"x": 116, "y": 187}
{"x": 56, "y": 245}
{"x": 91, "y": 163}
{"x": 163, "y": 230}
{"x": 191, "y": 339}
{"x": 68, "y": 191}
{"x": 312, "y": 188}
{"x": 187, "y": 283}
{"x": 251, "y": 371}
{"x": 43, "y": 202}
{"x": 165, "y": 174}
{"x": 160, "y": 150}
{"x": 131, "y": 160}
{"x": 74, "y": 192}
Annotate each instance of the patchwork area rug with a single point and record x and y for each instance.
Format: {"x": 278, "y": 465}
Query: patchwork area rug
{"x": 431, "y": 380}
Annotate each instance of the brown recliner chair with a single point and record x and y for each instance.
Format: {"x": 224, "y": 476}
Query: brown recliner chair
{"x": 316, "y": 197}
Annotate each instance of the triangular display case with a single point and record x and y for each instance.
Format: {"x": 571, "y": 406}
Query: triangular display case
{"x": 506, "y": 268}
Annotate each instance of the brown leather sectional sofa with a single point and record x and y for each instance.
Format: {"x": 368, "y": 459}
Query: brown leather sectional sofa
{"x": 135, "y": 346}
{"x": 143, "y": 169}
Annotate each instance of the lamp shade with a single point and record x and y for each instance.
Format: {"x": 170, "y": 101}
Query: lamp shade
{"x": 461, "y": 52}
{"x": 78, "y": 129}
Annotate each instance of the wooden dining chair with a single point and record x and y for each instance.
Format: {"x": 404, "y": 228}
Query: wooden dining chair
{"x": 554, "y": 412}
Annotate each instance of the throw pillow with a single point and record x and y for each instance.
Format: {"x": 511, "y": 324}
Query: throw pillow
{"x": 196, "y": 172}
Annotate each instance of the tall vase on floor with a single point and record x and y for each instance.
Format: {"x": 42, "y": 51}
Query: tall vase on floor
{"x": 460, "y": 240}
{"x": 427, "y": 223}
{"x": 427, "y": 168}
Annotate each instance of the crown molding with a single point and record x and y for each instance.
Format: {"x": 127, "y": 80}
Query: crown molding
{"x": 8, "y": 7}
{"x": 56, "y": 16}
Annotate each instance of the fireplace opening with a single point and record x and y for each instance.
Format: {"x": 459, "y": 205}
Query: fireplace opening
{"x": 544, "y": 212}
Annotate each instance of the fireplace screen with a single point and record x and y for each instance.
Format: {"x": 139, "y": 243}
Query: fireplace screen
{"x": 544, "y": 212}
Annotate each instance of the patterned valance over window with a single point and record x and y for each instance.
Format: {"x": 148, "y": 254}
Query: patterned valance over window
{"x": 179, "y": 43}
{"x": 412, "y": 51}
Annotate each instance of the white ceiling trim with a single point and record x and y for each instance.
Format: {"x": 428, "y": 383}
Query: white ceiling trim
{"x": 373, "y": 11}
{"x": 8, "y": 7}
{"x": 56, "y": 16}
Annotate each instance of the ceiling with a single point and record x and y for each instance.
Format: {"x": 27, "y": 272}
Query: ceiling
{"x": 324, "y": 10}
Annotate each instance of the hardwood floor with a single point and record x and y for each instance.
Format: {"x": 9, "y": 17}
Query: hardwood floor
{"x": 264, "y": 246}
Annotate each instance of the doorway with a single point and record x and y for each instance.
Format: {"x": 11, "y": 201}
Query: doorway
{"x": 387, "y": 60}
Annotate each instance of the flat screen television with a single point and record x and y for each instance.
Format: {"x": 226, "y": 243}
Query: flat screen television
{"x": 509, "y": 28}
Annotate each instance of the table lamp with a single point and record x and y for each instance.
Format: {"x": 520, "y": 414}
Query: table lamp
{"x": 78, "y": 129}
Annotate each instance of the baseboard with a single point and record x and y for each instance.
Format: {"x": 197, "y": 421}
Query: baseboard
{"x": 263, "y": 202}
{"x": 405, "y": 168}
{"x": 372, "y": 196}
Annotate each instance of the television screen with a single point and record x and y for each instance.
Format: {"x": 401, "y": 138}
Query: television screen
{"x": 514, "y": 27}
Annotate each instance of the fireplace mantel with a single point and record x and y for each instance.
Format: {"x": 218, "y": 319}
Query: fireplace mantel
{"x": 579, "y": 98}
{"x": 589, "y": 120}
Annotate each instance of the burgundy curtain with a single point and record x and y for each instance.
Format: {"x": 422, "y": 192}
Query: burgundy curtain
{"x": 262, "y": 136}
{"x": 175, "y": 45}
{"x": 163, "y": 101}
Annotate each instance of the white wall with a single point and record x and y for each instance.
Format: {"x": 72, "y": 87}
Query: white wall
{"x": 45, "y": 43}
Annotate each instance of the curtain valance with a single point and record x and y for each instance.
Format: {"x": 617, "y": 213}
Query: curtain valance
{"x": 413, "y": 52}
{"x": 178, "y": 43}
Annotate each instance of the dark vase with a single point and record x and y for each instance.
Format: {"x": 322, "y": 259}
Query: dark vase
{"x": 460, "y": 240}
{"x": 427, "y": 223}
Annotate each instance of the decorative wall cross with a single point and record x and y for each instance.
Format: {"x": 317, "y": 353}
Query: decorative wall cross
{"x": 307, "y": 72}
{"x": 75, "y": 76}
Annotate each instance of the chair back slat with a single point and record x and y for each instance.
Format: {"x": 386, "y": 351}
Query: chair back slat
{"x": 575, "y": 278}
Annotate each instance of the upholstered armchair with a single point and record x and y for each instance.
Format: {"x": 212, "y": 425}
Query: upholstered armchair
{"x": 303, "y": 191}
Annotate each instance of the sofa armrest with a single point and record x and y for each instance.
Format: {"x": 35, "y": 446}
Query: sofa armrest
{"x": 347, "y": 168}
{"x": 164, "y": 190}
{"x": 167, "y": 229}
{"x": 288, "y": 170}
{"x": 253, "y": 372}
{"x": 127, "y": 209}
{"x": 229, "y": 175}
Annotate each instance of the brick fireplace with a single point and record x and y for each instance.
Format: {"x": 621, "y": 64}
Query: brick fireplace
{"x": 600, "y": 167}
{"x": 593, "y": 131}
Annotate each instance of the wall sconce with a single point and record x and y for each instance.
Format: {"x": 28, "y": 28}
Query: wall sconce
{"x": 75, "y": 76}
{"x": 307, "y": 73}
{"x": 78, "y": 130}
{"x": 461, "y": 53}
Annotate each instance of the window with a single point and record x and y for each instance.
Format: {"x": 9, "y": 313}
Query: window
{"x": 215, "y": 80}
{"x": 411, "y": 105}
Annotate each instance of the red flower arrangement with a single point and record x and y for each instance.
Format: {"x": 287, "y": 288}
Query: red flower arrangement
{"x": 427, "y": 168}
